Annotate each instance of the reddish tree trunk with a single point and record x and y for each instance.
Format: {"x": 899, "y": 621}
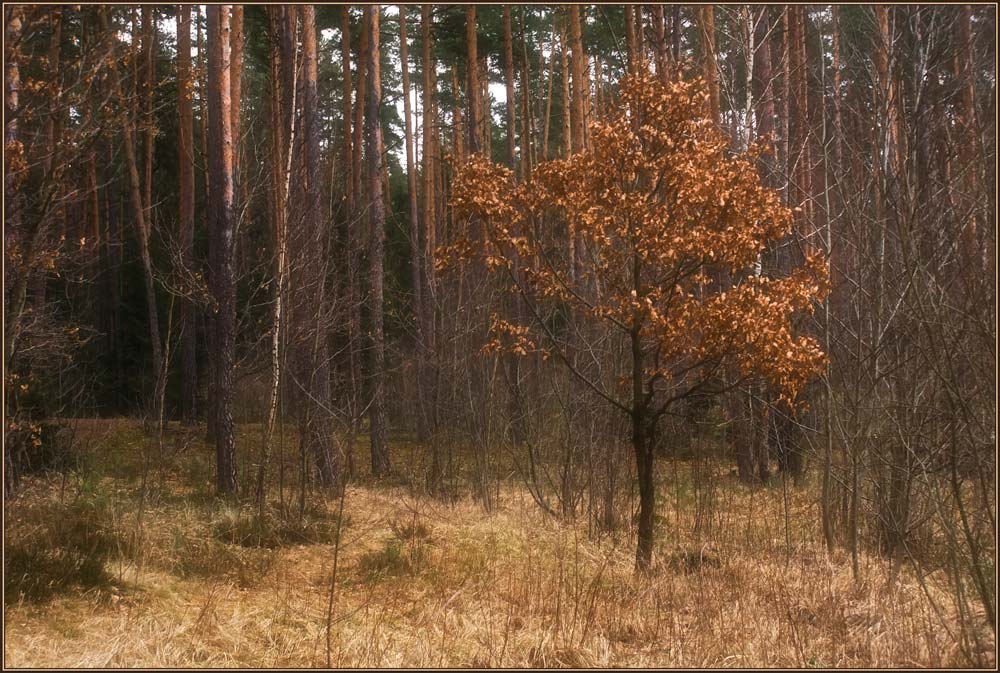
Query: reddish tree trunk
{"x": 221, "y": 239}
{"x": 508, "y": 78}
{"x": 376, "y": 210}
{"x": 185, "y": 162}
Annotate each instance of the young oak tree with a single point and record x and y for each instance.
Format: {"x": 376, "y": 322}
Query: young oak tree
{"x": 661, "y": 205}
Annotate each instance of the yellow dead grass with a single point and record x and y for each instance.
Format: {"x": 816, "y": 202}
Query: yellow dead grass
{"x": 422, "y": 583}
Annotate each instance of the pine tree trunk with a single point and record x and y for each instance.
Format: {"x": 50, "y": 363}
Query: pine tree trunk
{"x": 348, "y": 238}
{"x": 202, "y": 69}
{"x": 548, "y": 96}
{"x": 221, "y": 239}
{"x": 236, "y": 95}
{"x": 356, "y": 239}
{"x": 508, "y": 79}
{"x": 566, "y": 104}
{"x": 360, "y": 89}
{"x": 472, "y": 91}
{"x": 15, "y": 283}
{"x": 185, "y": 162}
{"x": 458, "y": 130}
{"x": 675, "y": 35}
{"x": 659, "y": 35}
{"x": 312, "y": 359}
{"x": 376, "y": 209}
{"x": 427, "y": 242}
{"x": 710, "y": 67}
{"x": 579, "y": 82}
{"x": 415, "y": 251}
{"x": 148, "y": 122}
{"x": 527, "y": 156}
{"x": 142, "y": 224}
{"x": 631, "y": 56}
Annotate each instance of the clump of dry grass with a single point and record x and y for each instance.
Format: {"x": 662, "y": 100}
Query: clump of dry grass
{"x": 427, "y": 583}
{"x": 245, "y": 527}
{"x": 55, "y": 547}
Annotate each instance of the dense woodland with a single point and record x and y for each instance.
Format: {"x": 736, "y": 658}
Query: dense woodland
{"x": 562, "y": 247}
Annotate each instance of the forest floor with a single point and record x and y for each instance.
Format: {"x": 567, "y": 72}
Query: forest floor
{"x": 102, "y": 572}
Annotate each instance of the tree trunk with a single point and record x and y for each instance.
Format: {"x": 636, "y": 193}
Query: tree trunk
{"x": 415, "y": 253}
{"x": 349, "y": 256}
{"x": 675, "y": 35}
{"x": 508, "y": 78}
{"x": 376, "y": 209}
{"x": 548, "y": 96}
{"x": 426, "y": 242}
{"x": 236, "y": 89}
{"x": 659, "y": 36}
{"x": 527, "y": 156}
{"x": 630, "y": 50}
{"x": 360, "y": 88}
{"x": 148, "y": 121}
{"x": 472, "y": 92}
{"x": 355, "y": 239}
{"x": 142, "y": 224}
{"x": 643, "y": 460}
{"x": 458, "y": 130}
{"x": 580, "y": 87}
{"x": 185, "y": 160}
{"x": 345, "y": 67}
{"x": 202, "y": 69}
{"x": 710, "y": 67}
{"x": 280, "y": 166}
{"x": 311, "y": 349}
{"x": 14, "y": 287}
{"x": 221, "y": 239}
{"x": 566, "y": 104}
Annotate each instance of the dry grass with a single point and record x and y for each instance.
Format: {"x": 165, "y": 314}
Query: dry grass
{"x": 423, "y": 583}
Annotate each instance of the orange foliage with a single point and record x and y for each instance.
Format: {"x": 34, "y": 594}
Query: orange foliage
{"x": 669, "y": 225}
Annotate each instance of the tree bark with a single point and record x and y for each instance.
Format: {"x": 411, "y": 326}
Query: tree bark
{"x": 458, "y": 130}
{"x": 236, "y": 88}
{"x": 527, "y": 155}
{"x": 415, "y": 251}
{"x": 566, "y": 101}
{"x": 472, "y": 92}
{"x": 185, "y": 160}
{"x": 426, "y": 240}
{"x": 346, "y": 92}
{"x": 710, "y": 67}
{"x": 659, "y": 35}
{"x": 579, "y": 83}
{"x": 548, "y": 96}
{"x": 312, "y": 355}
{"x": 142, "y": 224}
{"x": 349, "y": 242}
{"x": 148, "y": 84}
{"x": 360, "y": 89}
{"x": 221, "y": 239}
{"x": 630, "y": 50}
{"x": 376, "y": 209}
{"x": 202, "y": 69}
{"x": 508, "y": 78}
{"x": 675, "y": 34}
{"x": 643, "y": 459}
{"x": 14, "y": 286}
